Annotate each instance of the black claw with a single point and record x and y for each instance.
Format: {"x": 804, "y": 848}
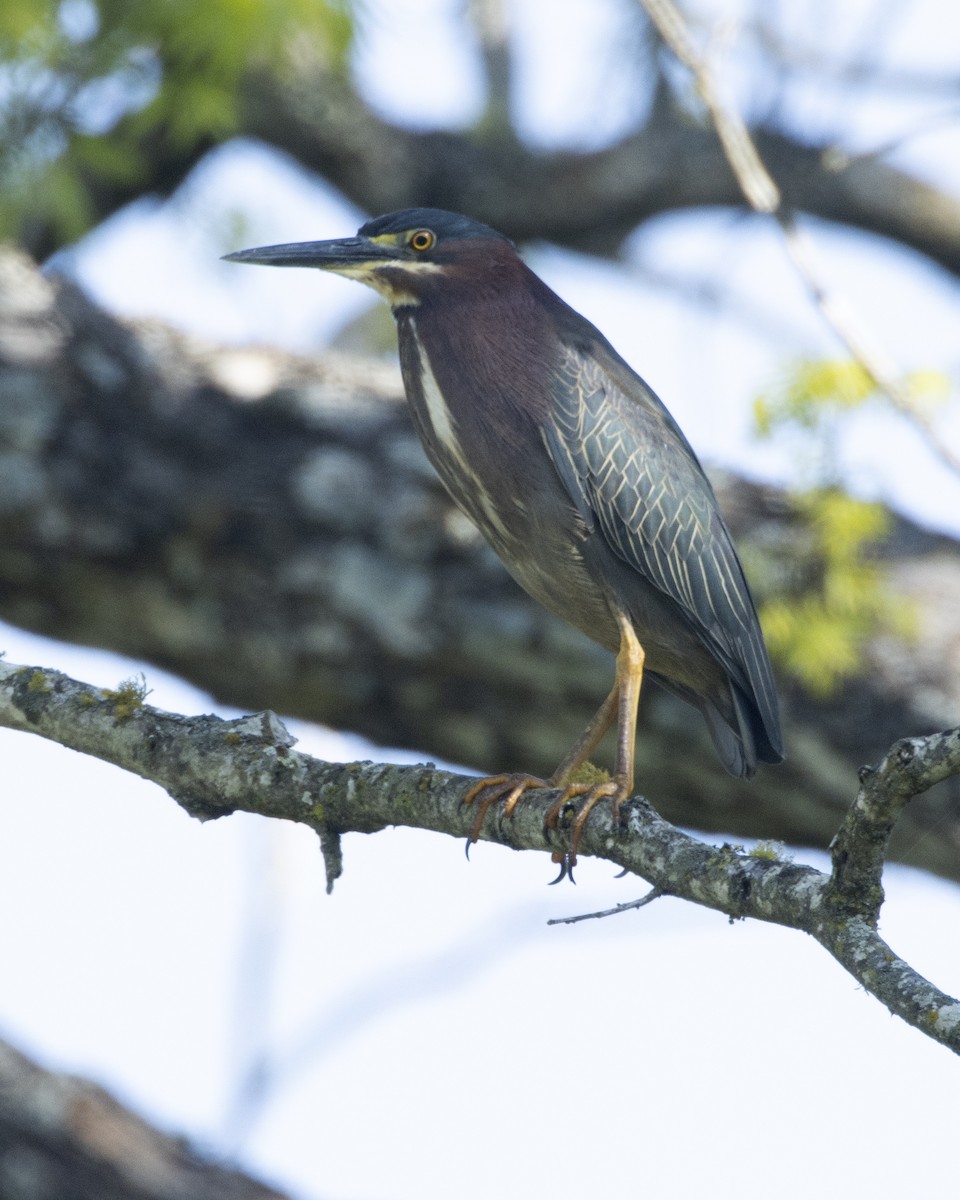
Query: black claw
{"x": 566, "y": 861}
{"x": 466, "y": 848}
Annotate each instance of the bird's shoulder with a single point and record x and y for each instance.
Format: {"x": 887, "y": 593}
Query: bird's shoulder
{"x": 589, "y": 366}
{"x": 614, "y": 422}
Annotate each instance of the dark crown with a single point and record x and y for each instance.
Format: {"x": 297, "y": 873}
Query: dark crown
{"x": 444, "y": 224}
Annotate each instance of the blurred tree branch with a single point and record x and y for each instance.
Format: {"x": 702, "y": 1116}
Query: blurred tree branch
{"x": 766, "y": 198}
{"x": 269, "y": 529}
{"x": 591, "y": 200}
{"x": 65, "y": 1137}
{"x": 302, "y": 100}
{"x": 213, "y": 767}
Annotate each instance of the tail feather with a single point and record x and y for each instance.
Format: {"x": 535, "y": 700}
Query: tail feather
{"x": 740, "y": 736}
{"x": 735, "y": 747}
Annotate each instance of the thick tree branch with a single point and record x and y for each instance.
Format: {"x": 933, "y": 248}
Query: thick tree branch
{"x": 269, "y": 529}
{"x": 212, "y": 767}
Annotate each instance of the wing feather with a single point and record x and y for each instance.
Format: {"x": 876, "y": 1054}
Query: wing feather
{"x": 631, "y": 474}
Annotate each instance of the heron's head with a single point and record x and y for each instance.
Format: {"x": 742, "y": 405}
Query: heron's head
{"x": 402, "y": 255}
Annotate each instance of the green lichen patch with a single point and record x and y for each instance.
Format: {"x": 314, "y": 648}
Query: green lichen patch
{"x": 128, "y": 696}
{"x": 38, "y": 682}
{"x": 769, "y": 852}
{"x": 589, "y": 773}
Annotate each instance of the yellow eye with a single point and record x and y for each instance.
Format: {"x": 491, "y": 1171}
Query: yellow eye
{"x": 422, "y": 240}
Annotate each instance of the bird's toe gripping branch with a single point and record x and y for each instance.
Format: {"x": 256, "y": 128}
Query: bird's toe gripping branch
{"x": 509, "y": 790}
{"x": 617, "y": 790}
{"x": 496, "y": 788}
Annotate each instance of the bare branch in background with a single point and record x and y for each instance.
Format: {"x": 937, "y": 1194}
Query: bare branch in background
{"x": 491, "y": 24}
{"x": 589, "y": 200}
{"x": 764, "y": 197}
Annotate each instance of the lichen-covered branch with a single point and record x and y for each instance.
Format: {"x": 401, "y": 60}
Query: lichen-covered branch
{"x": 213, "y": 767}
{"x": 860, "y": 848}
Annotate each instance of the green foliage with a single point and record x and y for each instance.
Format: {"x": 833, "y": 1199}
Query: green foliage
{"x": 838, "y": 598}
{"x": 814, "y": 392}
{"x": 823, "y": 592}
{"x": 811, "y": 392}
{"x": 90, "y": 89}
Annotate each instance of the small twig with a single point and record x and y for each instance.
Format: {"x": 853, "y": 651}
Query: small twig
{"x": 763, "y": 195}
{"x": 654, "y": 894}
{"x": 756, "y": 182}
{"x": 861, "y": 343}
{"x": 332, "y": 851}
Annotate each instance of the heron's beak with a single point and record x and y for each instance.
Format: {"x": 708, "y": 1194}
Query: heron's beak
{"x": 342, "y": 255}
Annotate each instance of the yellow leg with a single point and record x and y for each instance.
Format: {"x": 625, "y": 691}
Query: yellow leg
{"x": 510, "y": 788}
{"x": 630, "y": 662}
{"x": 621, "y": 703}
{"x": 589, "y": 739}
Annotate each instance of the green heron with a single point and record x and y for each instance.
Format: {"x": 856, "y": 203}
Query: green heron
{"x": 578, "y": 477}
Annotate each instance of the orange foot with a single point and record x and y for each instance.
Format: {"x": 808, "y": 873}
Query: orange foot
{"x": 593, "y": 793}
{"x": 508, "y": 788}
